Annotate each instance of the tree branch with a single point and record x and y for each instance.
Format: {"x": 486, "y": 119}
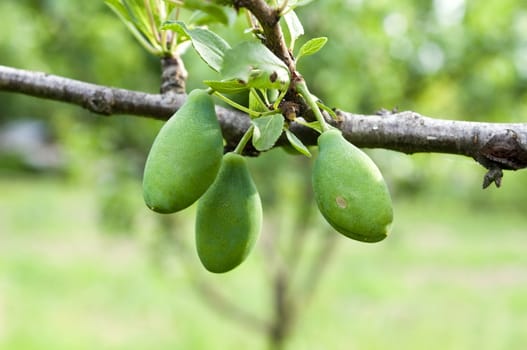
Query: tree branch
{"x": 496, "y": 146}
{"x": 108, "y": 101}
{"x": 95, "y": 98}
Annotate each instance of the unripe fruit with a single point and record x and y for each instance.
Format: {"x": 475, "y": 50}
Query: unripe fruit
{"x": 228, "y": 217}
{"x": 350, "y": 191}
{"x": 185, "y": 156}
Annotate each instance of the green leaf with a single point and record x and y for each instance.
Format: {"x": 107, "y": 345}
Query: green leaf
{"x": 206, "y": 13}
{"x": 226, "y": 87}
{"x": 312, "y": 47}
{"x": 139, "y": 15}
{"x": 267, "y": 130}
{"x": 328, "y": 110}
{"x": 297, "y": 144}
{"x": 256, "y": 103}
{"x": 119, "y": 9}
{"x": 294, "y": 26}
{"x": 297, "y": 3}
{"x": 134, "y": 17}
{"x": 209, "y": 46}
{"x": 313, "y": 125}
{"x": 255, "y": 65}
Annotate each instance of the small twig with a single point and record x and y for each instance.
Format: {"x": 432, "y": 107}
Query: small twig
{"x": 230, "y": 309}
{"x": 283, "y": 310}
{"x": 279, "y": 282}
{"x": 212, "y": 296}
{"x": 319, "y": 263}
{"x": 301, "y": 225}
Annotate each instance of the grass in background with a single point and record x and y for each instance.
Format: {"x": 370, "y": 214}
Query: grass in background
{"x": 450, "y": 277}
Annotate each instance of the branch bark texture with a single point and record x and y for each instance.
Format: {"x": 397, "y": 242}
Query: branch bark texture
{"x": 494, "y": 145}
{"x": 108, "y": 101}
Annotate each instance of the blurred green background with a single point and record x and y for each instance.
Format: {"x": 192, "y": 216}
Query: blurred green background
{"x": 84, "y": 264}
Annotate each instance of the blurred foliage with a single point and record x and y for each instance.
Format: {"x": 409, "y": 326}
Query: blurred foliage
{"x": 455, "y": 59}
{"x": 64, "y": 286}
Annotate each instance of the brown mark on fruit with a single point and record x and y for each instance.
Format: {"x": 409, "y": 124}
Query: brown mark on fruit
{"x": 341, "y": 202}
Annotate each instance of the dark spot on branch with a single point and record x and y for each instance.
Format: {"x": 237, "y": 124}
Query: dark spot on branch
{"x": 173, "y": 75}
{"x": 505, "y": 150}
{"x": 501, "y": 152}
{"x": 99, "y": 103}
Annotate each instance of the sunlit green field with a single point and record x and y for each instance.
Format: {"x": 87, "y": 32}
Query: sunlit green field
{"x": 448, "y": 278}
